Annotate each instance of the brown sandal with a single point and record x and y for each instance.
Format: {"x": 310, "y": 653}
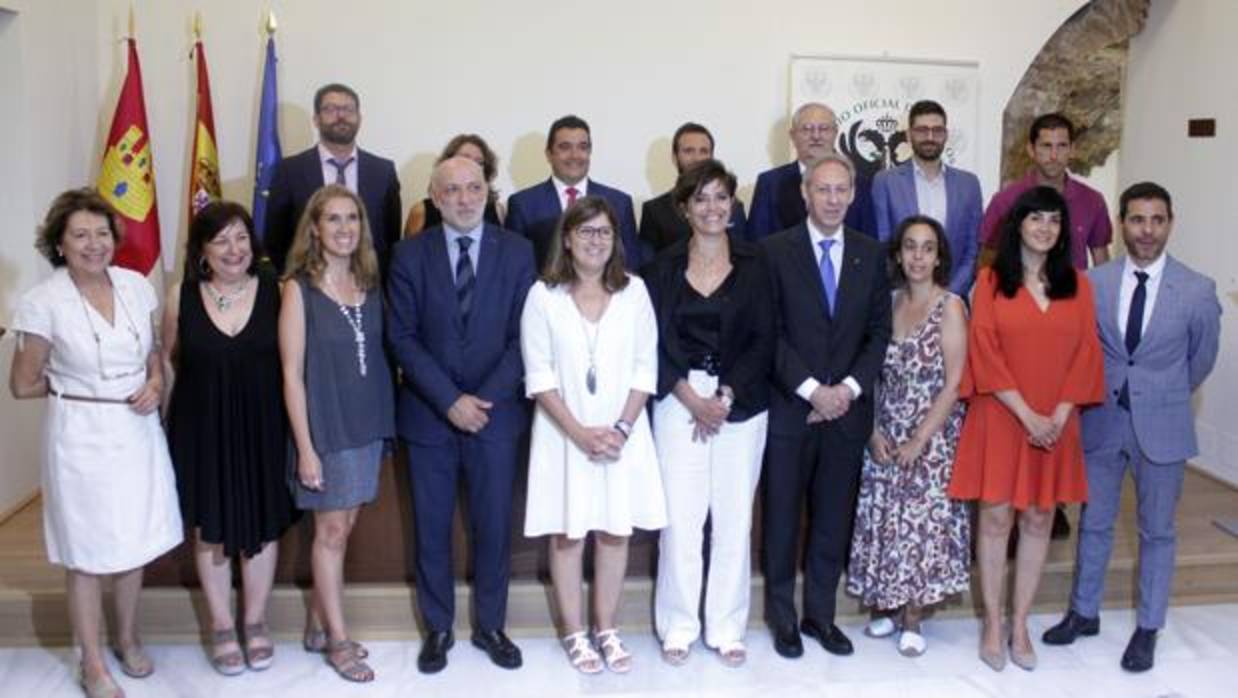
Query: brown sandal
{"x": 260, "y": 657}
{"x": 343, "y": 656}
{"x": 226, "y": 663}
{"x": 134, "y": 661}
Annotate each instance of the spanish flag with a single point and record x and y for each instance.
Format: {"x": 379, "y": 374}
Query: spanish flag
{"x": 204, "y": 165}
{"x": 127, "y": 178}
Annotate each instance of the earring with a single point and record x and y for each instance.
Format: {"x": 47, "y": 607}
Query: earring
{"x": 204, "y": 267}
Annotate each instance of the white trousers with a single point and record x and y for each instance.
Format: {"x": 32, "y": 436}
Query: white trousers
{"x": 717, "y": 477}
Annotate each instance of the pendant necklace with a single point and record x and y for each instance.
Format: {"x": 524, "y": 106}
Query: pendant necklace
{"x": 352, "y": 315}
{"x": 591, "y": 340}
{"x": 223, "y": 301}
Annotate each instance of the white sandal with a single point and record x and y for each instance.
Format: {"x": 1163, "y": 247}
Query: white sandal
{"x": 733, "y": 654}
{"x": 617, "y": 657}
{"x": 580, "y": 653}
{"x": 911, "y": 643}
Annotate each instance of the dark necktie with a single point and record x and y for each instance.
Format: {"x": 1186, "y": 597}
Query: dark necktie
{"x": 465, "y": 279}
{"x": 828, "y": 280}
{"x": 571, "y": 195}
{"x": 339, "y": 170}
{"x": 1134, "y": 329}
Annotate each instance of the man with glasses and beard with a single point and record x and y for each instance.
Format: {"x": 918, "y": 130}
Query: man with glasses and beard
{"x": 335, "y": 159}
{"x": 926, "y": 186}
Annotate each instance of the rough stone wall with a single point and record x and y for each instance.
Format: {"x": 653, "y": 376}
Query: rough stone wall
{"x": 1079, "y": 72}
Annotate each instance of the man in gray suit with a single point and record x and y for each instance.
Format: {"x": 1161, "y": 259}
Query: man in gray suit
{"x": 1159, "y": 325}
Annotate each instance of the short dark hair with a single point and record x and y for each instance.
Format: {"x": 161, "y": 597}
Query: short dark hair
{"x": 692, "y": 180}
{"x": 1060, "y": 278}
{"x": 561, "y": 270}
{"x": 50, "y": 233}
{"x": 690, "y": 127}
{"x": 208, "y": 223}
{"x": 334, "y": 87}
{"x": 923, "y": 108}
{"x": 563, "y": 122}
{"x": 1051, "y": 122}
{"x": 1144, "y": 190}
{"x": 941, "y": 273}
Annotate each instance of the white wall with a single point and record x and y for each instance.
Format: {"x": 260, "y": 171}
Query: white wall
{"x": 635, "y": 71}
{"x": 48, "y": 52}
{"x": 1181, "y": 68}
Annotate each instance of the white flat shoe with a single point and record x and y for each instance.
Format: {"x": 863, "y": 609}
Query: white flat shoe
{"x": 880, "y": 627}
{"x": 911, "y": 644}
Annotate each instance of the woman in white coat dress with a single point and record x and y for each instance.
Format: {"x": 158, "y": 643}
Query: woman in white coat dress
{"x": 86, "y": 343}
{"x": 589, "y": 340}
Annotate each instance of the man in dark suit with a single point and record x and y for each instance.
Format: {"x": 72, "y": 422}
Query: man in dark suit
{"x": 534, "y": 212}
{"x": 456, "y": 292}
{"x": 832, "y": 303}
{"x": 777, "y": 202}
{"x": 1159, "y": 324}
{"x": 336, "y": 159}
{"x": 661, "y": 225}
{"x": 926, "y": 186}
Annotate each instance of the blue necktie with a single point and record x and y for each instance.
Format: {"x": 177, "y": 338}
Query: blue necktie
{"x": 828, "y": 280}
{"x": 465, "y": 279}
{"x": 1134, "y": 329}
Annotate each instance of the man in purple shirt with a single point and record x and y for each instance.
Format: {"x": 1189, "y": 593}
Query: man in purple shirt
{"x": 1049, "y": 145}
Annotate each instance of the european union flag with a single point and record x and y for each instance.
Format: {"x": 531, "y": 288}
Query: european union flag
{"x": 268, "y": 153}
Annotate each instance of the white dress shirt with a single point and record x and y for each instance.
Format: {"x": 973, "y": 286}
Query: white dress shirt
{"x": 1126, "y": 290}
{"x": 329, "y": 171}
{"x": 805, "y": 389}
{"x": 930, "y": 192}
{"x": 582, "y": 189}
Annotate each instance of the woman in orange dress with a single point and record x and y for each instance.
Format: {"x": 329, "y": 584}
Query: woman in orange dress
{"x": 1034, "y": 359}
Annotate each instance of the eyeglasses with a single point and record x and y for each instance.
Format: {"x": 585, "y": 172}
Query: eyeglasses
{"x": 601, "y": 232}
{"x": 814, "y": 129}
{"x": 934, "y": 131}
{"x": 338, "y": 110}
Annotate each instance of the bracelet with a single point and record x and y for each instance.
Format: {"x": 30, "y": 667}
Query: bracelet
{"x": 624, "y": 428}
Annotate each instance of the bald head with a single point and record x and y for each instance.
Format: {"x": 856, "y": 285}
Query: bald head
{"x": 813, "y": 130}
{"x": 458, "y": 189}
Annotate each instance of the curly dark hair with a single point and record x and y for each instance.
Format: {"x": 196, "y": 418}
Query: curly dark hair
{"x": 1059, "y": 271}
{"x": 50, "y": 232}
{"x": 208, "y": 223}
{"x": 560, "y": 268}
{"x": 941, "y": 273}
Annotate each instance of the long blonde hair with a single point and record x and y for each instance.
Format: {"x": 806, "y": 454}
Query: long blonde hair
{"x": 306, "y": 258}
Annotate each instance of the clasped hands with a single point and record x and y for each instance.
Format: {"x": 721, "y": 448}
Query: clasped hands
{"x": 1043, "y": 432}
{"x": 708, "y": 416}
{"x": 881, "y": 449}
{"x": 600, "y": 444}
{"x": 829, "y": 402}
{"x": 469, "y": 413}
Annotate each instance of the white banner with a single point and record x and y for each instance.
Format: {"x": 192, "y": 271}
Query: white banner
{"x": 871, "y": 96}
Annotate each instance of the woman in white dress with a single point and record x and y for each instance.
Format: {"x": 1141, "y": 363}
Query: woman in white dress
{"x": 589, "y": 339}
{"x": 109, "y": 495}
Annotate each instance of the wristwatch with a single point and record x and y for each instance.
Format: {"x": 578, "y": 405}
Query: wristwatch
{"x": 624, "y": 428}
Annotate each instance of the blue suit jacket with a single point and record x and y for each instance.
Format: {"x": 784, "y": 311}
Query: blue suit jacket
{"x": 894, "y": 199}
{"x": 297, "y": 177}
{"x": 778, "y": 203}
{"x": 534, "y": 213}
{"x": 1175, "y": 355}
{"x": 440, "y": 355}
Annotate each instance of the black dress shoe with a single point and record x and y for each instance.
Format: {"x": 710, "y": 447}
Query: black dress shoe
{"x": 787, "y": 641}
{"x": 501, "y": 650}
{"x": 433, "y": 655}
{"x": 1140, "y": 651}
{"x": 1069, "y": 630}
{"x": 1061, "y": 527}
{"x": 830, "y": 637}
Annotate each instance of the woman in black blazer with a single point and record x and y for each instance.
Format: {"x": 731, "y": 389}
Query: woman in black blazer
{"x": 715, "y": 350}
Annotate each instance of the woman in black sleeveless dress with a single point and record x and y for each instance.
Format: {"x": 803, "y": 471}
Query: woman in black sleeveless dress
{"x": 227, "y": 428}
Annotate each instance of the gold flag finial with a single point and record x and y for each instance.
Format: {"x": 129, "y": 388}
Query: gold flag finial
{"x": 271, "y": 25}
{"x": 197, "y": 25}
{"x": 132, "y": 33}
